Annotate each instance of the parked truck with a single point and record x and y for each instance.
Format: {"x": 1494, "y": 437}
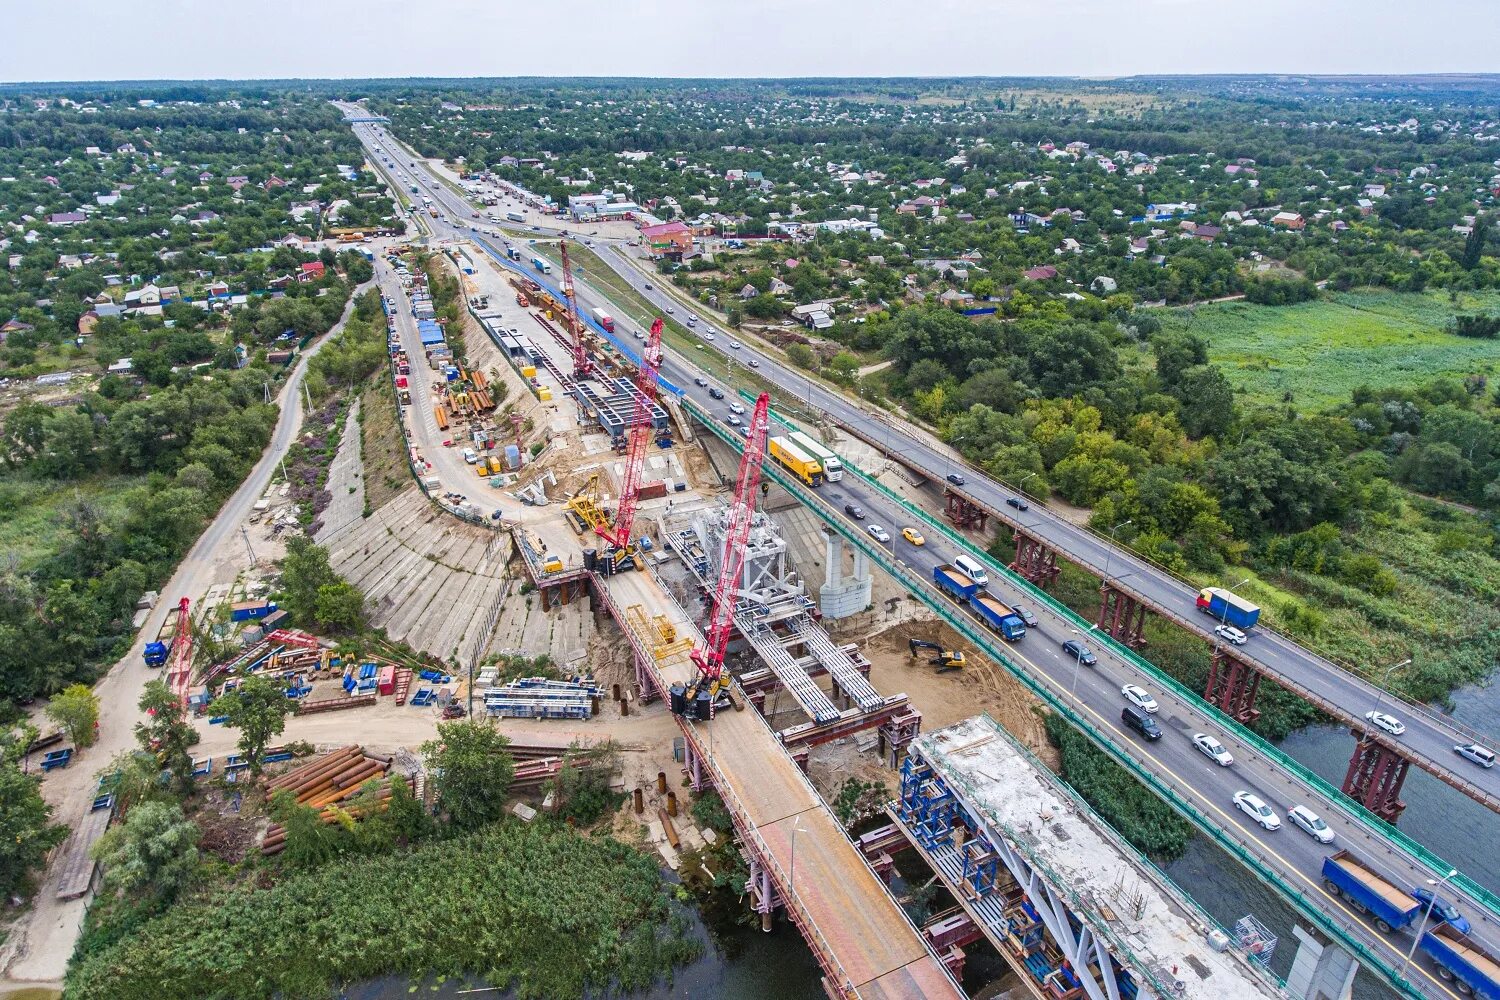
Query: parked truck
{"x": 954, "y": 582}
{"x": 156, "y": 651}
{"x": 541, "y": 265}
{"x": 1228, "y": 607}
{"x": 605, "y": 320}
{"x": 1389, "y": 905}
{"x": 998, "y": 616}
{"x": 1462, "y": 961}
{"x": 516, "y": 216}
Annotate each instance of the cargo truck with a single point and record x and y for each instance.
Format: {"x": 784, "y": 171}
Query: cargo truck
{"x": 1228, "y": 607}
{"x": 998, "y": 616}
{"x": 796, "y": 461}
{"x": 1463, "y": 961}
{"x": 605, "y": 320}
{"x": 541, "y": 265}
{"x": 1389, "y": 905}
{"x": 512, "y": 253}
{"x": 954, "y": 582}
{"x": 833, "y": 469}
{"x": 516, "y": 216}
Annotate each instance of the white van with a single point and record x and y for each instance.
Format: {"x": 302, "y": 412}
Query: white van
{"x": 470, "y": 456}
{"x": 972, "y": 570}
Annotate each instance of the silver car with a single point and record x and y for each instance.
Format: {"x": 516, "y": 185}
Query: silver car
{"x": 1311, "y": 824}
{"x": 1213, "y": 749}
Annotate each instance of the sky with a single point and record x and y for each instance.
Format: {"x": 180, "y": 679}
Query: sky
{"x": 193, "y": 39}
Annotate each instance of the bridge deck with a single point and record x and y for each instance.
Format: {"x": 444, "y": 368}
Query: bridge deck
{"x": 879, "y": 950}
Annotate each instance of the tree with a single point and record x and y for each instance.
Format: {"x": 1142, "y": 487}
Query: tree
{"x": 1176, "y": 353}
{"x": 340, "y": 606}
{"x": 167, "y": 733}
{"x": 309, "y": 841}
{"x": 258, "y": 709}
{"x": 472, "y": 771}
{"x": 155, "y": 851}
{"x": 1206, "y": 399}
{"x": 305, "y": 571}
{"x": 27, "y": 832}
{"x": 76, "y": 709}
{"x": 1474, "y": 245}
{"x": 802, "y": 356}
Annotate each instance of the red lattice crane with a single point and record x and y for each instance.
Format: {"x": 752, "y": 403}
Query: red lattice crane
{"x": 575, "y": 325}
{"x": 180, "y": 665}
{"x": 710, "y": 659}
{"x": 640, "y": 434}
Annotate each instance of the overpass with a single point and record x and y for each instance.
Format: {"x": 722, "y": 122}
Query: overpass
{"x": 1090, "y": 700}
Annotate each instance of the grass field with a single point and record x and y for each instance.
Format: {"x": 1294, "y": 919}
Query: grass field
{"x": 1321, "y": 351}
{"x": 30, "y": 511}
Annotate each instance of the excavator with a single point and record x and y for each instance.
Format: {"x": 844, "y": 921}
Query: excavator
{"x": 944, "y": 659}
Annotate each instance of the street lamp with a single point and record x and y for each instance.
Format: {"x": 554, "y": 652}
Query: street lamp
{"x": 1022, "y": 483}
{"x": 1386, "y": 676}
{"x": 1111, "y": 550}
{"x": 1426, "y": 916}
{"x": 947, "y": 461}
{"x": 791, "y": 886}
{"x": 1078, "y": 659}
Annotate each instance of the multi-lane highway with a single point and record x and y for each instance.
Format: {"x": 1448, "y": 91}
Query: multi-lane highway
{"x": 1288, "y": 856}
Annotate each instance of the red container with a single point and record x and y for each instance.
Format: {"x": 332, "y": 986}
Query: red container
{"x": 385, "y": 681}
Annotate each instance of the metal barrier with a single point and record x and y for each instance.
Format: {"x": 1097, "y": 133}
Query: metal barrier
{"x": 984, "y": 641}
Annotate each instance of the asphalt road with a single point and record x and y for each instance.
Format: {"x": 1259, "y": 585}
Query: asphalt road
{"x": 1094, "y": 692}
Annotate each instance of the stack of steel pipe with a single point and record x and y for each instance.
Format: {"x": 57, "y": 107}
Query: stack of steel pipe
{"x": 275, "y": 841}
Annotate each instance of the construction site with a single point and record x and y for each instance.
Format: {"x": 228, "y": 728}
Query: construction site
{"x": 565, "y": 506}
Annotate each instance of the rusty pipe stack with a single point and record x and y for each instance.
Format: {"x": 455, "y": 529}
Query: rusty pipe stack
{"x": 326, "y": 782}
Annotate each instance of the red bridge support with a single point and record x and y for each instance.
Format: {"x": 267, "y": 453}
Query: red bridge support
{"x": 1376, "y": 774}
{"x": 1035, "y": 561}
{"x": 1122, "y": 617}
{"x": 1232, "y": 686}
{"x": 964, "y": 514}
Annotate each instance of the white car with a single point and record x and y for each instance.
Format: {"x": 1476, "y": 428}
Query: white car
{"x": 1230, "y": 634}
{"x": 1252, "y": 805}
{"x": 1389, "y": 723}
{"x": 707, "y": 335}
{"x": 669, "y": 309}
{"x": 1213, "y": 749}
{"x": 469, "y": 456}
{"x": 1311, "y": 823}
{"x": 1140, "y": 698}
{"x": 754, "y": 363}
{"x": 735, "y": 345}
{"x": 736, "y": 408}
{"x": 1481, "y": 755}
{"x": 734, "y": 421}
{"x": 878, "y": 533}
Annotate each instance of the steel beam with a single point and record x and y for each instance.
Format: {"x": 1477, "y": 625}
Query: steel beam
{"x": 1034, "y": 561}
{"x": 964, "y": 513}
{"x": 1232, "y": 685}
{"x": 1122, "y": 617}
{"x": 1375, "y": 776}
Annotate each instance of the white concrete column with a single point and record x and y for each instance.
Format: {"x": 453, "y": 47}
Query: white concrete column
{"x": 861, "y": 566}
{"x": 1321, "y": 970}
{"x": 833, "y": 559}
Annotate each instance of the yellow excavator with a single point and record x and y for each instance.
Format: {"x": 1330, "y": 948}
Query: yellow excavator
{"x": 944, "y": 659}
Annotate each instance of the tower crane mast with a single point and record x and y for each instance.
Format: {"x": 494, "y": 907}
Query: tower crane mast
{"x": 575, "y": 325}
{"x": 640, "y": 432}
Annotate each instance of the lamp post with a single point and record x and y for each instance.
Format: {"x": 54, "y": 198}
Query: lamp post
{"x": 1386, "y": 676}
{"x": 1426, "y": 916}
{"x": 947, "y": 461}
{"x": 1111, "y": 550}
{"x": 1078, "y": 659}
{"x": 1020, "y": 487}
{"x": 791, "y": 886}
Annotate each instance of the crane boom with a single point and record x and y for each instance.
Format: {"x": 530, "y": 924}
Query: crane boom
{"x": 575, "y": 325}
{"x": 180, "y": 666}
{"x": 710, "y": 659}
{"x": 640, "y": 433}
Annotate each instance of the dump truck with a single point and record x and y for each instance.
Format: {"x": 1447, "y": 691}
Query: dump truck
{"x": 1228, "y": 607}
{"x": 156, "y": 651}
{"x": 796, "y": 461}
{"x": 998, "y": 616}
{"x": 1390, "y": 906}
{"x": 1463, "y": 961}
{"x": 954, "y": 582}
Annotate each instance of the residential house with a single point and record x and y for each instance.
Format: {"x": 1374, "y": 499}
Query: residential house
{"x": 1105, "y": 285}
{"x": 1206, "y": 232}
{"x": 749, "y": 292}
{"x": 170, "y": 293}
{"x": 13, "y": 325}
{"x": 217, "y": 289}
{"x": 1291, "y": 220}
{"x": 955, "y": 297}
{"x": 668, "y": 238}
{"x": 66, "y": 218}
{"x": 1042, "y": 273}
{"x": 311, "y": 271}
{"x": 237, "y": 181}
{"x": 779, "y": 287}
{"x": 146, "y": 295}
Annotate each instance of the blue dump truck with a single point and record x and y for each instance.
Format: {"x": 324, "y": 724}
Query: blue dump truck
{"x": 998, "y": 616}
{"x": 954, "y": 582}
{"x": 1228, "y": 607}
{"x": 1390, "y": 906}
{"x": 1461, "y": 961}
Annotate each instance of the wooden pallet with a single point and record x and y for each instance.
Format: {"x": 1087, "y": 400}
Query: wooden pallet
{"x": 403, "y": 684}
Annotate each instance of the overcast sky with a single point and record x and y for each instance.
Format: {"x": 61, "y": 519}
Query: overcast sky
{"x": 192, "y": 39}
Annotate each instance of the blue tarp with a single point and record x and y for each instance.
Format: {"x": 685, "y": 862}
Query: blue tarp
{"x": 430, "y": 332}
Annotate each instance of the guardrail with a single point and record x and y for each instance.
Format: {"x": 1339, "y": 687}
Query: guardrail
{"x": 977, "y": 635}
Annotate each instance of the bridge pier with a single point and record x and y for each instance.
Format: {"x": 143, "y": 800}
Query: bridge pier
{"x": 1232, "y": 685}
{"x": 763, "y": 896}
{"x": 1122, "y": 617}
{"x": 898, "y": 734}
{"x": 1034, "y": 561}
{"x": 1375, "y": 776}
{"x": 963, "y": 513}
{"x": 692, "y": 765}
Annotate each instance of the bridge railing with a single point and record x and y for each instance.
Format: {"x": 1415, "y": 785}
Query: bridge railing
{"x": 1354, "y": 810}
{"x": 985, "y": 641}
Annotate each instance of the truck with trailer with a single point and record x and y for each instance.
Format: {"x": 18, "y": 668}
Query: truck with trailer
{"x": 541, "y": 265}
{"x": 604, "y": 319}
{"x": 796, "y": 461}
{"x": 516, "y": 216}
{"x": 512, "y": 253}
{"x": 833, "y": 469}
{"x": 954, "y": 582}
{"x": 1228, "y": 607}
{"x": 1390, "y": 906}
{"x": 1463, "y": 961}
{"x": 998, "y": 616}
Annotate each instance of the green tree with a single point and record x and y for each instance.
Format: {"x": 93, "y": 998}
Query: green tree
{"x": 802, "y": 356}
{"x": 1474, "y": 245}
{"x": 472, "y": 771}
{"x": 304, "y": 572}
{"x": 258, "y": 709}
{"x": 843, "y": 366}
{"x": 27, "y": 832}
{"x": 167, "y": 733}
{"x": 1207, "y": 401}
{"x": 309, "y": 841}
{"x": 154, "y": 852}
{"x": 341, "y": 607}
{"x": 76, "y": 709}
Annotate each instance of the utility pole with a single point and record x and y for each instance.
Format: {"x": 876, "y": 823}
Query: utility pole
{"x": 245, "y": 534}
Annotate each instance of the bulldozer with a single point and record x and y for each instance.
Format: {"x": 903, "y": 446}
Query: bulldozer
{"x": 944, "y": 659}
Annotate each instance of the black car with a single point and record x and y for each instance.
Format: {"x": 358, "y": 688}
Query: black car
{"x": 956, "y": 479}
{"x": 1018, "y": 503}
{"x": 1080, "y": 652}
{"x": 716, "y": 392}
{"x": 1026, "y": 615}
{"x": 855, "y": 511}
{"x": 700, "y": 381}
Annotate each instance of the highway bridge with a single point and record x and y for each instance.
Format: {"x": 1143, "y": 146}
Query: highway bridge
{"x": 1089, "y": 696}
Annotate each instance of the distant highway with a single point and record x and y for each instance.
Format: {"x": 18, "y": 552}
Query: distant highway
{"x": 1287, "y": 856}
